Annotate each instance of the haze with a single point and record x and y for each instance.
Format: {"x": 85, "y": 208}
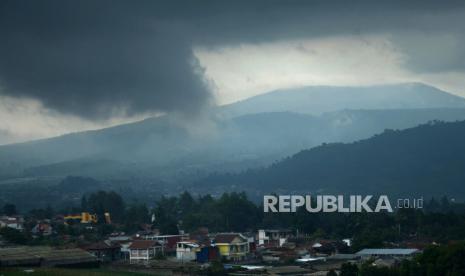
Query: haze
{"x": 72, "y": 66}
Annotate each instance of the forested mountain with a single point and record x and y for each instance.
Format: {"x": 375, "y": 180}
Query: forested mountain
{"x": 159, "y": 148}
{"x": 428, "y": 160}
{"x": 168, "y": 148}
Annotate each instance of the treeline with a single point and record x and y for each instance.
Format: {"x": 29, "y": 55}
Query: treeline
{"x": 439, "y": 221}
{"x": 230, "y": 212}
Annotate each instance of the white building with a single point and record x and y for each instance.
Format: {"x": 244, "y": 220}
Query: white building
{"x": 273, "y": 236}
{"x": 143, "y": 250}
{"x": 186, "y": 251}
{"x": 387, "y": 252}
{"x": 12, "y": 222}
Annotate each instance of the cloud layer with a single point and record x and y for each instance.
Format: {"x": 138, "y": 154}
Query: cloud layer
{"x": 101, "y": 59}
{"x": 95, "y": 60}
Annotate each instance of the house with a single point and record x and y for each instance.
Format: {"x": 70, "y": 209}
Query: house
{"x": 385, "y": 262}
{"x": 15, "y": 222}
{"x": 278, "y": 254}
{"x": 201, "y": 236}
{"x": 273, "y": 237}
{"x": 105, "y": 251}
{"x": 186, "y": 250}
{"x": 119, "y": 236}
{"x": 207, "y": 254}
{"x": 124, "y": 241}
{"x": 329, "y": 247}
{"x": 143, "y": 250}
{"x": 251, "y": 239}
{"x": 232, "y": 246}
{"x": 168, "y": 242}
{"x": 387, "y": 253}
{"x": 42, "y": 229}
{"x": 124, "y": 247}
{"x": 288, "y": 270}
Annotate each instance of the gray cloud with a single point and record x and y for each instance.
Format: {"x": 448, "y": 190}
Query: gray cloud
{"x": 89, "y": 58}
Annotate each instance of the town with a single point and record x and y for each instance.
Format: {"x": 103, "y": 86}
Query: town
{"x": 183, "y": 236}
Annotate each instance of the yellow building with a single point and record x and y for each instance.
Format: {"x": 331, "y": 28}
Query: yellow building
{"x": 231, "y": 246}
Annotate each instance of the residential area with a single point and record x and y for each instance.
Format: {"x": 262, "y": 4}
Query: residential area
{"x": 88, "y": 241}
{"x": 267, "y": 251}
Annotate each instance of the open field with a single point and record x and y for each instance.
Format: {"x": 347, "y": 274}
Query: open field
{"x": 64, "y": 272}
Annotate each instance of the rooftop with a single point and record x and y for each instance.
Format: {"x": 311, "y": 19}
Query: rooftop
{"x": 387, "y": 251}
{"x": 226, "y": 238}
{"x": 143, "y": 244}
{"x": 102, "y": 245}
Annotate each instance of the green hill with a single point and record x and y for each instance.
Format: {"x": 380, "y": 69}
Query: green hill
{"x": 428, "y": 160}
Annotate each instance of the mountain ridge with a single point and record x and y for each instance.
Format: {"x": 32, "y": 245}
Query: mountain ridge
{"x": 333, "y": 98}
{"x": 427, "y": 160}
{"x": 163, "y": 144}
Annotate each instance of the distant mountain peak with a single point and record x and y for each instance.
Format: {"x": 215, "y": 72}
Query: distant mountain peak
{"x": 320, "y": 99}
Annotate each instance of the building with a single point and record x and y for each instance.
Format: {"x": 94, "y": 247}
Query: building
{"x": 207, "y": 254}
{"x": 143, "y": 250}
{"x": 124, "y": 241}
{"x": 168, "y": 242}
{"x": 232, "y": 246}
{"x": 124, "y": 248}
{"x": 42, "y": 229}
{"x": 329, "y": 247}
{"x": 387, "y": 253}
{"x": 186, "y": 251}
{"x": 105, "y": 251}
{"x": 273, "y": 237}
{"x": 385, "y": 262}
{"x": 14, "y": 222}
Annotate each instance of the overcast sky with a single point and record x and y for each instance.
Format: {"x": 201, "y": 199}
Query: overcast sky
{"x": 72, "y": 65}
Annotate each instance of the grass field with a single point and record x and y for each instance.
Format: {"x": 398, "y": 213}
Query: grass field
{"x": 64, "y": 272}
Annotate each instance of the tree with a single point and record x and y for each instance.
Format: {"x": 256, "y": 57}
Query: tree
{"x": 166, "y": 215}
{"x": 216, "y": 268}
{"x": 135, "y": 215}
{"x": 348, "y": 269}
{"x": 237, "y": 212}
{"x": 46, "y": 213}
{"x": 186, "y": 203}
{"x": 13, "y": 236}
{"x": 9, "y": 209}
{"x": 443, "y": 260}
{"x": 101, "y": 202}
{"x": 331, "y": 273}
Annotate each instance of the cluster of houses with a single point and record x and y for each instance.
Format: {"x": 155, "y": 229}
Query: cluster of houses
{"x": 14, "y": 222}
{"x": 201, "y": 247}
{"x": 264, "y": 249}
{"x": 40, "y": 228}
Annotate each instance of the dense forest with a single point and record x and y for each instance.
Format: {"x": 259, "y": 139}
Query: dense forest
{"x": 427, "y": 160}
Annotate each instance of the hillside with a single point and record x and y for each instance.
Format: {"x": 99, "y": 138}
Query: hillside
{"x": 158, "y": 148}
{"x": 169, "y": 149}
{"x": 428, "y": 160}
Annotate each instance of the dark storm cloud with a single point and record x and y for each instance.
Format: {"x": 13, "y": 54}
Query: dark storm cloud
{"x": 90, "y": 57}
